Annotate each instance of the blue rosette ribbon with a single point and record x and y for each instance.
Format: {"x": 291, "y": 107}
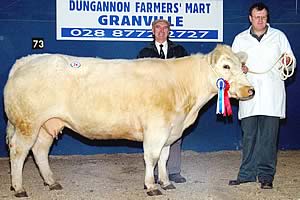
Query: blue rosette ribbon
{"x": 220, "y": 101}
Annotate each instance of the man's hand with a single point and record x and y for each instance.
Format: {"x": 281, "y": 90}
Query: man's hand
{"x": 286, "y": 59}
{"x": 244, "y": 68}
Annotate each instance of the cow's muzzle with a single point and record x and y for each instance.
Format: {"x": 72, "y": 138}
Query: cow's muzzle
{"x": 251, "y": 93}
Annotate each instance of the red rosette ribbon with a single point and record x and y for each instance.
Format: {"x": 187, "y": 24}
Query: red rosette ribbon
{"x": 227, "y": 110}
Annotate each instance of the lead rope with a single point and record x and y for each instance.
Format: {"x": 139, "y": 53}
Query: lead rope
{"x": 283, "y": 69}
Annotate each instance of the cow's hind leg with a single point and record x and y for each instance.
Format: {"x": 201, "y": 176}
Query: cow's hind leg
{"x": 41, "y": 151}
{"x": 19, "y": 146}
{"x": 162, "y": 169}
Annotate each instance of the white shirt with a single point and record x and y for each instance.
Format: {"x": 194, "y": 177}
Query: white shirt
{"x": 270, "y": 96}
{"x": 165, "y": 47}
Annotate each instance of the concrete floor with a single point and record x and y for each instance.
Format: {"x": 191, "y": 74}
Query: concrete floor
{"x": 121, "y": 177}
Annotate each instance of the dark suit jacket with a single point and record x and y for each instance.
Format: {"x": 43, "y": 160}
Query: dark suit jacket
{"x": 174, "y": 50}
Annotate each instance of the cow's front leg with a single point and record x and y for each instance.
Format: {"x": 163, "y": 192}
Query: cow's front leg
{"x": 162, "y": 169}
{"x": 150, "y": 158}
{"x": 41, "y": 151}
{"x": 153, "y": 144}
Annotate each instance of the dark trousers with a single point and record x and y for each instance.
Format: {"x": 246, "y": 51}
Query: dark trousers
{"x": 174, "y": 161}
{"x": 259, "y": 154}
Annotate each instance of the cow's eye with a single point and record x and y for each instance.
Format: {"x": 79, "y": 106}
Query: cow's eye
{"x": 226, "y": 67}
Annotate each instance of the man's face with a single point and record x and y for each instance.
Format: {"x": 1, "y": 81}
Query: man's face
{"x": 258, "y": 19}
{"x": 160, "y": 31}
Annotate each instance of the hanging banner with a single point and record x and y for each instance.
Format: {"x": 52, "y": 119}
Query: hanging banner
{"x": 191, "y": 21}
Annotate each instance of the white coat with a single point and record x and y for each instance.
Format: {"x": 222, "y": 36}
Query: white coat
{"x": 270, "y": 96}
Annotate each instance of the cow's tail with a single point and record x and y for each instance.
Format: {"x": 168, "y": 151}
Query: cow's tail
{"x": 10, "y": 131}
{"x": 22, "y": 62}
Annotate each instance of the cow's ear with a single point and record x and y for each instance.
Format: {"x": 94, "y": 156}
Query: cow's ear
{"x": 242, "y": 56}
{"x": 214, "y": 57}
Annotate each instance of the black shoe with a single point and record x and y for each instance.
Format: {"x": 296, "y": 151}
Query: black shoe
{"x": 266, "y": 185}
{"x": 177, "y": 178}
{"x": 234, "y": 182}
{"x": 237, "y": 182}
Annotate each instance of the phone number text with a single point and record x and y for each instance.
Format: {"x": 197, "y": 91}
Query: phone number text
{"x": 136, "y": 33}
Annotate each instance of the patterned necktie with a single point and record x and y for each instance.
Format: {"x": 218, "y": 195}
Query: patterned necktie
{"x": 161, "y": 52}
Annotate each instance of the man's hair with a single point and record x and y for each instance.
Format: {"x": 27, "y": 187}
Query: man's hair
{"x": 260, "y": 6}
{"x": 161, "y": 20}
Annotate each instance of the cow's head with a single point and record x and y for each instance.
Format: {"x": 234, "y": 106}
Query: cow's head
{"x": 227, "y": 65}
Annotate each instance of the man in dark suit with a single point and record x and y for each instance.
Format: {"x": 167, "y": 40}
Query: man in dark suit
{"x": 163, "y": 48}
{"x": 161, "y": 30}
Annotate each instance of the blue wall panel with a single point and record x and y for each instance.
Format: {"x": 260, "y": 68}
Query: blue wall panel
{"x": 20, "y": 21}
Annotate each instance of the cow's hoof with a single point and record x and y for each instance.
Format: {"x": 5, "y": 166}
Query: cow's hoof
{"x": 155, "y": 192}
{"x": 21, "y": 194}
{"x": 168, "y": 187}
{"x": 55, "y": 186}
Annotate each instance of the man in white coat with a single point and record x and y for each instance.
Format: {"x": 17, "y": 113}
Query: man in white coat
{"x": 260, "y": 116}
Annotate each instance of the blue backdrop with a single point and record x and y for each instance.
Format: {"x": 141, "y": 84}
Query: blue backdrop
{"x": 20, "y": 21}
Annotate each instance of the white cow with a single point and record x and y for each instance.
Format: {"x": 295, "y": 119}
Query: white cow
{"x": 150, "y": 100}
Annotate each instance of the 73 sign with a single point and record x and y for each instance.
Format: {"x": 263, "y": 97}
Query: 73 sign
{"x": 38, "y": 43}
